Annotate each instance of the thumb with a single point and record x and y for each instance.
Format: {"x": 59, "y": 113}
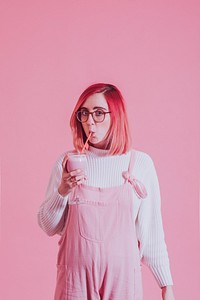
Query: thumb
{"x": 64, "y": 162}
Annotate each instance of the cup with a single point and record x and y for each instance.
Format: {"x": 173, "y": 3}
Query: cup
{"x": 76, "y": 161}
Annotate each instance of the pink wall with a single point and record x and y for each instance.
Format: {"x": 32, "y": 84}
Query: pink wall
{"x": 51, "y": 51}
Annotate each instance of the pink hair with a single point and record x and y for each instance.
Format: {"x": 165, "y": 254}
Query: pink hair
{"x": 118, "y": 136}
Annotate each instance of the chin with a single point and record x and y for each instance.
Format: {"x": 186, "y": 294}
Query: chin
{"x": 94, "y": 144}
{"x": 100, "y": 145}
{"x": 94, "y": 141}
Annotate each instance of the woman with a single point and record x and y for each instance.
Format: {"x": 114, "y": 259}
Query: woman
{"x": 118, "y": 224}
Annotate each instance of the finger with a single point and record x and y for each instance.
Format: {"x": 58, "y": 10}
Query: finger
{"x": 80, "y": 181}
{"x": 76, "y": 172}
{"x": 73, "y": 184}
{"x": 72, "y": 179}
{"x": 77, "y": 178}
{"x": 66, "y": 176}
{"x": 64, "y": 162}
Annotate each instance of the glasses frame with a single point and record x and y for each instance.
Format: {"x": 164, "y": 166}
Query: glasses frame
{"x": 92, "y": 113}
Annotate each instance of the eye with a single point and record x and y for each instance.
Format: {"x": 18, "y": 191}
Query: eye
{"x": 99, "y": 113}
{"x": 84, "y": 113}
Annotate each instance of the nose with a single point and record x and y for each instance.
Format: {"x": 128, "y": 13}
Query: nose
{"x": 90, "y": 120}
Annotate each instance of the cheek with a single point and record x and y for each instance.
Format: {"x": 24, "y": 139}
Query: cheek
{"x": 84, "y": 127}
{"x": 106, "y": 126}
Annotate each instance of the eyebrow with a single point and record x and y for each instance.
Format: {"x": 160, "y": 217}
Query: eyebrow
{"x": 96, "y": 107}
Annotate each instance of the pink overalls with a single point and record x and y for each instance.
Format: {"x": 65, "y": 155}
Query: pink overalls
{"x": 98, "y": 256}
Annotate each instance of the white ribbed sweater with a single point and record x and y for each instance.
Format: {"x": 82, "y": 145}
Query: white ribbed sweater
{"x": 147, "y": 212}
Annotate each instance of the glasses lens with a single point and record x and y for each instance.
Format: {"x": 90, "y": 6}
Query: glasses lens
{"x": 82, "y": 115}
{"x": 98, "y": 115}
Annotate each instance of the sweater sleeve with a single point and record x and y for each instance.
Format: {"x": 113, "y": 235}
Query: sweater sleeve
{"x": 150, "y": 233}
{"x": 52, "y": 212}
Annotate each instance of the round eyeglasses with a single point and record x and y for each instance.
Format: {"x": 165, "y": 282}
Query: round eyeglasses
{"x": 98, "y": 115}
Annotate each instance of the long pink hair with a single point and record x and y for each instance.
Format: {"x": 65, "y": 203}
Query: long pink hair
{"x": 118, "y": 136}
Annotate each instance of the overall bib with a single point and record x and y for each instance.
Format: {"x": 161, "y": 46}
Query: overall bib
{"x": 98, "y": 254}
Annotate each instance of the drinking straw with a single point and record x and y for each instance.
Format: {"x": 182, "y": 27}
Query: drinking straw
{"x": 85, "y": 145}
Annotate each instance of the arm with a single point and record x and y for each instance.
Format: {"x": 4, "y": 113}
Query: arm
{"x": 52, "y": 212}
{"x": 149, "y": 227}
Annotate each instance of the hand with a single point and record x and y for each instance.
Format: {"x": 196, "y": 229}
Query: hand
{"x": 69, "y": 180}
{"x": 167, "y": 293}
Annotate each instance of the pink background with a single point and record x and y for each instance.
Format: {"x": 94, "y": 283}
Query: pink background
{"x": 51, "y": 51}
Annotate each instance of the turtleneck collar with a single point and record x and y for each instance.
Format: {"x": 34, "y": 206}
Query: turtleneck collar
{"x": 97, "y": 151}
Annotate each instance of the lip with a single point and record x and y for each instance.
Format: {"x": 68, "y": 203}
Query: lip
{"x": 93, "y": 135}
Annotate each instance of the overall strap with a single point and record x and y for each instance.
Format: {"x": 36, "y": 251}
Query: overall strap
{"x": 137, "y": 185}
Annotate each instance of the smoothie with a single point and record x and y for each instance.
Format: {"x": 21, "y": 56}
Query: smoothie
{"x": 76, "y": 161}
